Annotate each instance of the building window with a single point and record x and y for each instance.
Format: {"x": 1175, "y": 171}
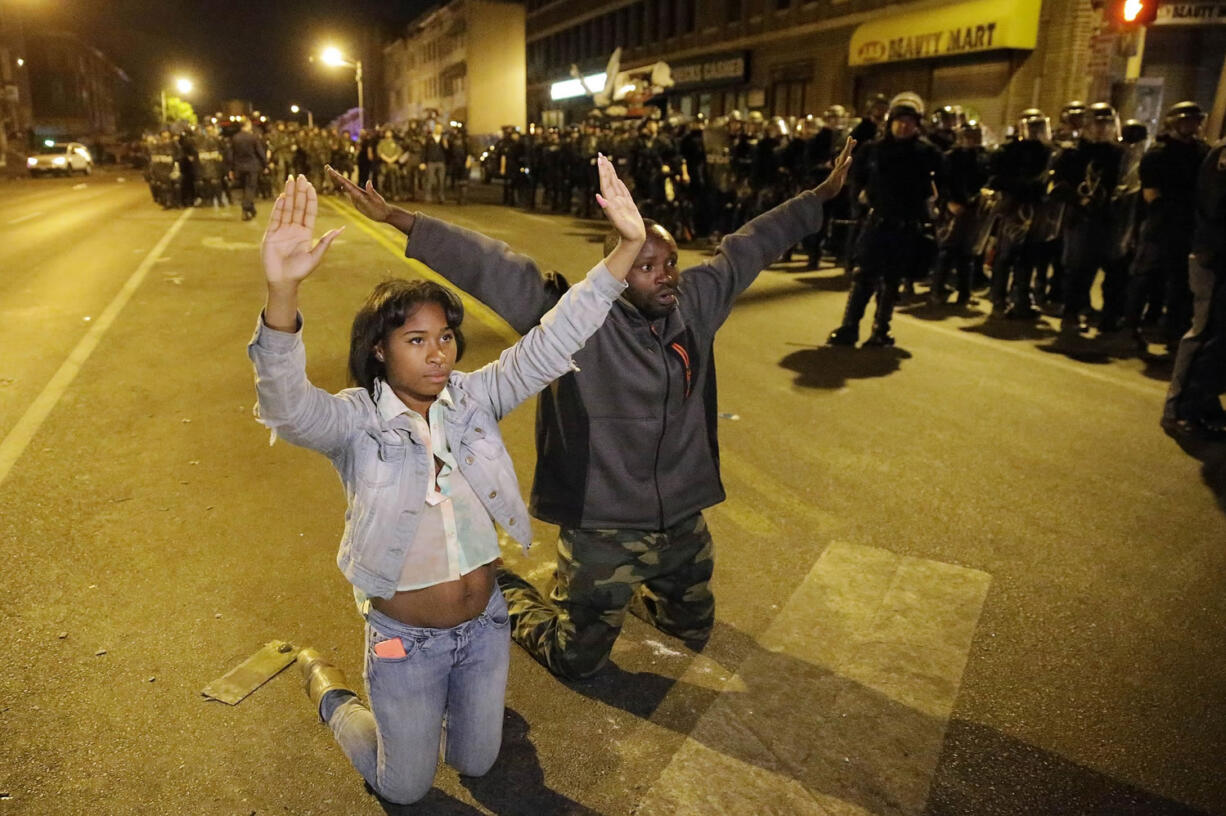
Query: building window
{"x": 789, "y": 97}
{"x": 688, "y": 16}
{"x": 638, "y": 13}
{"x": 783, "y": 5}
{"x": 735, "y": 9}
{"x": 666, "y": 19}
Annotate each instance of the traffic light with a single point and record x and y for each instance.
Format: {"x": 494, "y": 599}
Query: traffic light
{"x": 1132, "y": 13}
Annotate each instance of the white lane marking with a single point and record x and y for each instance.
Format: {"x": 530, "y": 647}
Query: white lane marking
{"x": 1140, "y": 386}
{"x": 23, "y": 432}
{"x": 845, "y": 706}
{"x": 25, "y": 218}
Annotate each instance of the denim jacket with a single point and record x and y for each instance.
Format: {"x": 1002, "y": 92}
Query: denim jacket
{"x": 384, "y": 467}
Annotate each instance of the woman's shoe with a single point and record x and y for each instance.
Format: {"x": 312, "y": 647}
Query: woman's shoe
{"x": 320, "y": 677}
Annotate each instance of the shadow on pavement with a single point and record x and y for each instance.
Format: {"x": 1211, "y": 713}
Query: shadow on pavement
{"x": 515, "y": 786}
{"x": 1081, "y": 349}
{"x": 1212, "y": 456}
{"x": 984, "y": 771}
{"x": 516, "y": 783}
{"x": 832, "y": 366}
{"x": 1158, "y": 366}
{"x": 785, "y": 722}
{"x": 1000, "y": 329}
{"x": 926, "y": 310}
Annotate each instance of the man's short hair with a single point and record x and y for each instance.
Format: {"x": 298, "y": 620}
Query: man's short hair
{"x": 613, "y": 236}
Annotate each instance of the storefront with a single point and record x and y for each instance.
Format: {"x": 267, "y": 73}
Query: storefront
{"x": 1183, "y": 54}
{"x": 964, "y": 54}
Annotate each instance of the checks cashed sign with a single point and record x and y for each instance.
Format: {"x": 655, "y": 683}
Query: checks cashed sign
{"x": 1191, "y": 14}
{"x": 946, "y": 31}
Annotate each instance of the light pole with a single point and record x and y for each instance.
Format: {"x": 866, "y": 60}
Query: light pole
{"x": 310, "y": 116}
{"x": 332, "y": 56}
{"x": 183, "y": 86}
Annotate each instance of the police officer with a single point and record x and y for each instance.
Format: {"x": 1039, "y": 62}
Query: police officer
{"x": 966, "y": 172}
{"x": 1084, "y": 179}
{"x": 1019, "y": 173}
{"x": 1193, "y": 407}
{"x": 1168, "y": 173}
{"x": 896, "y": 175}
{"x": 164, "y": 171}
{"x": 249, "y": 160}
{"x": 946, "y": 123}
{"x": 212, "y": 168}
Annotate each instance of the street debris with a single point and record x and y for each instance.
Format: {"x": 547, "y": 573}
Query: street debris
{"x": 232, "y": 687}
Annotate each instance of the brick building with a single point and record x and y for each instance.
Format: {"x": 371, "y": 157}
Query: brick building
{"x": 791, "y": 57}
{"x": 462, "y": 61}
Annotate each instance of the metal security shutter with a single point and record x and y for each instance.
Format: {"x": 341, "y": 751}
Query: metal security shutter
{"x": 980, "y": 87}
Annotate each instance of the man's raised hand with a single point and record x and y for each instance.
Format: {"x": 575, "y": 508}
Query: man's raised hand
{"x": 829, "y": 188}
{"x": 618, "y": 204}
{"x": 368, "y": 201}
{"x": 287, "y": 252}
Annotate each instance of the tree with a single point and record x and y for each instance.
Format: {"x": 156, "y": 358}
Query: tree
{"x": 176, "y": 110}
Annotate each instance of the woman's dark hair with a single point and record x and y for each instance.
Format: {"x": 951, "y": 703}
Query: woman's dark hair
{"x": 386, "y": 308}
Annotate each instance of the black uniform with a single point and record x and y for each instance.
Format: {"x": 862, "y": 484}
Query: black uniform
{"x": 1020, "y": 173}
{"x": 1160, "y": 270}
{"x": 897, "y": 176}
{"x": 213, "y": 164}
{"x": 1199, "y": 376}
{"x": 249, "y": 161}
{"x": 966, "y": 172}
{"x": 1085, "y": 178}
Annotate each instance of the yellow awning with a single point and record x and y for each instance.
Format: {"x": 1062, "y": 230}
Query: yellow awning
{"x": 946, "y": 31}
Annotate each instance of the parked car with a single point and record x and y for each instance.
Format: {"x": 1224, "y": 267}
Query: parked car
{"x": 60, "y": 157}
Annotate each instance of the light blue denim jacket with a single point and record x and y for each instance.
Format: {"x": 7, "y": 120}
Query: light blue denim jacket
{"x": 384, "y": 468}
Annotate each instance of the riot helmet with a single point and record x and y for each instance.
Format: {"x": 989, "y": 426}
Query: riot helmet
{"x": 1133, "y": 132}
{"x": 970, "y": 134}
{"x": 1073, "y": 114}
{"x": 1033, "y": 125}
{"x": 1102, "y": 123}
{"x": 1184, "y": 119}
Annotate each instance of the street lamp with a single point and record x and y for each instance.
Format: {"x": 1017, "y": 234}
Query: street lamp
{"x": 183, "y": 86}
{"x": 310, "y": 116}
{"x": 332, "y": 56}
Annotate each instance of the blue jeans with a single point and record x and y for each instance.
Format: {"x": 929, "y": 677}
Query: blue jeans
{"x": 459, "y": 674}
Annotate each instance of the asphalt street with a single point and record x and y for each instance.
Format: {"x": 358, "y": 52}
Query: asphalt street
{"x": 968, "y": 575}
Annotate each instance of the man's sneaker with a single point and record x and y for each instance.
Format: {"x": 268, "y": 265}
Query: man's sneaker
{"x": 879, "y": 340}
{"x": 1197, "y": 428}
{"x": 843, "y": 336}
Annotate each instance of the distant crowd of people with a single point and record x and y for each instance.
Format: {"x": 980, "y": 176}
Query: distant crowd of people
{"x": 195, "y": 166}
{"x": 1031, "y": 221}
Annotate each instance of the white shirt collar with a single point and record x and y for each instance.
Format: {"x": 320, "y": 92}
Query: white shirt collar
{"x": 391, "y": 406}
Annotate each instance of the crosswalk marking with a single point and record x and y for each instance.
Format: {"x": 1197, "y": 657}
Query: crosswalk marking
{"x": 844, "y": 708}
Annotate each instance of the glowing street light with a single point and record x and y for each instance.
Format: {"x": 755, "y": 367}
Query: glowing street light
{"x": 310, "y": 116}
{"x": 332, "y": 56}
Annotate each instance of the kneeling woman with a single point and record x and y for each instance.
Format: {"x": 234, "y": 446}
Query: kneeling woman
{"x": 427, "y": 477}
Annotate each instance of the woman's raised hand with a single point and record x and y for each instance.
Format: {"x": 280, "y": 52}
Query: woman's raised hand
{"x": 287, "y": 252}
{"x": 617, "y": 203}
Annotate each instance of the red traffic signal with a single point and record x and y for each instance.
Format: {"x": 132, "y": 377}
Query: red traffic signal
{"x": 1130, "y": 13}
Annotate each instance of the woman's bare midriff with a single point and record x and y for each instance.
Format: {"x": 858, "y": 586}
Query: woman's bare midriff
{"x": 443, "y": 605}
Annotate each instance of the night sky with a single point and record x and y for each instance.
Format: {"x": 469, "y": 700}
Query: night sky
{"x": 235, "y": 49}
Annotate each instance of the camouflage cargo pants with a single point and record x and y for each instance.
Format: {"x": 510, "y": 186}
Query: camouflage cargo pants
{"x": 599, "y": 573}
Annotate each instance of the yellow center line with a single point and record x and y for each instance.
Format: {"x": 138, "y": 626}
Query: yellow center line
{"x": 472, "y": 306}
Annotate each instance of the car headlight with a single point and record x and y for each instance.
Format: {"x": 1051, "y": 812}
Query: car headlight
{"x": 31, "y": 162}
{"x": 59, "y": 160}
